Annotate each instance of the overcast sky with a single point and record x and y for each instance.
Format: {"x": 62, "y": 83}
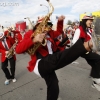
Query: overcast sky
{"x": 12, "y": 11}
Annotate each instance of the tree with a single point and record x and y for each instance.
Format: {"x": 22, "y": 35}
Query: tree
{"x": 69, "y": 22}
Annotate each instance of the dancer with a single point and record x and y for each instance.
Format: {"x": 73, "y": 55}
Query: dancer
{"x": 5, "y": 44}
{"x": 93, "y": 59}
{"x": 44, "y": 63}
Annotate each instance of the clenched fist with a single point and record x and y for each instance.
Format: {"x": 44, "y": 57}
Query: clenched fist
{"x": 61, "y": 17}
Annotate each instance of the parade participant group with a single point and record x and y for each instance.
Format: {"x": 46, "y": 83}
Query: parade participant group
{"x": 54, "y": 55}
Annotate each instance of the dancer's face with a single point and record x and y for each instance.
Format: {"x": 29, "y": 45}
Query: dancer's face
{"x": 89, "y": 22}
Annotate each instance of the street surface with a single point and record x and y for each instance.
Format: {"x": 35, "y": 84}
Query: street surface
{"x": 74, "y": 82}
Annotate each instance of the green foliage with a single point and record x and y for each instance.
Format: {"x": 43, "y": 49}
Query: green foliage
{"x": 69, "y": 22}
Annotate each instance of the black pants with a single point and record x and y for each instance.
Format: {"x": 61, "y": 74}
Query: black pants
{"x": 49, "y": 64}
{"x": 9, "y": 74}
{"x": 93, "y": 59}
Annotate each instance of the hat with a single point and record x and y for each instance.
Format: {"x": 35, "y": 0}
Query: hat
{"x": 1, "y": 34}
{"x": 88, "y": 16}
{"x": 76, "y": 24}
{"x": 40, "y": 19}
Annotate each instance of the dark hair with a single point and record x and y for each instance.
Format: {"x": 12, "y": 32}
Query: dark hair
{"x": 2, "y": 27}
{"x": 49, "y": 24}
{"x": 83, "y": 24}
{"x": 34, "y": 28}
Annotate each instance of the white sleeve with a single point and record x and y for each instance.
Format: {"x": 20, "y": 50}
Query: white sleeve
{"x": 76, "y": 36}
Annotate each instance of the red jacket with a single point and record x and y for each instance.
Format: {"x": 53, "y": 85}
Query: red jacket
{"x": 61, "y": 48}
{"x": 19, "y": 37}
{"x": 10, "y": 41}
{"x": 84, "y": 34}
{"x": 27, "y": 42}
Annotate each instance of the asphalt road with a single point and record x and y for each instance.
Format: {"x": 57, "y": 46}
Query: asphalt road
{"x": 74, "y": 83}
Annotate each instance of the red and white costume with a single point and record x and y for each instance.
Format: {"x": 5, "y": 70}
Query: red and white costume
{"x": 27, "y": 43}
{"x": 79, "y": 33}
{"x": 20, "y": 36}
{"x": 9, "y": 42}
